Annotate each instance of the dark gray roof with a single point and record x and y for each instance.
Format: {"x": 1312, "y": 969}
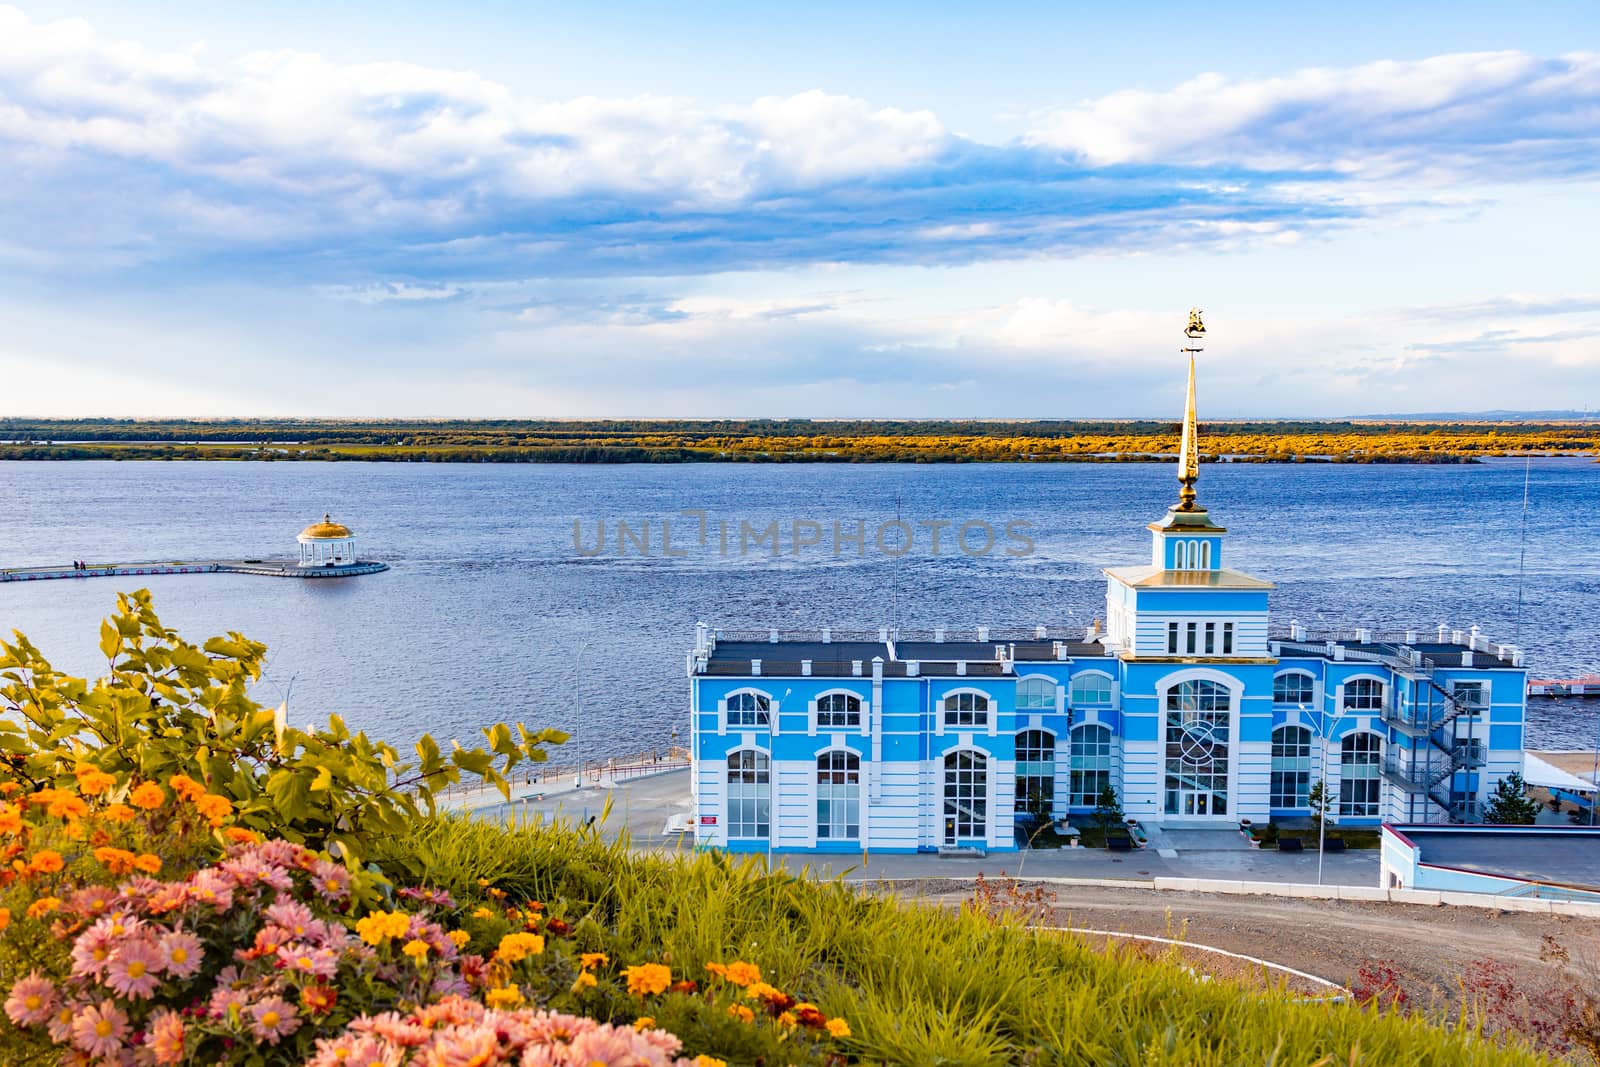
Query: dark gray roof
{"x": 1567, "y": 856}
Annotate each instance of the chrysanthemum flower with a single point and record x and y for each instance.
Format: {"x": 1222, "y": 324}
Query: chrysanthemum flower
{"x": 33, "y": 1000}
{"x": 134, "y": 970}
{"x": 100, "y": 1029}
{"x": 164, "y": 1038}
{"x": 182, "y": 953}
{"x": 318, "y": 998}
{"x": 273, "y": 1019}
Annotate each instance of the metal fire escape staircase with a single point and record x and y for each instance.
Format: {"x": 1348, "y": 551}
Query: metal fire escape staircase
{"x": 1425, "y": 767}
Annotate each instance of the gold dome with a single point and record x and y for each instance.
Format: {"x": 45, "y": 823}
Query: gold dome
{"x": 327, "y": 529}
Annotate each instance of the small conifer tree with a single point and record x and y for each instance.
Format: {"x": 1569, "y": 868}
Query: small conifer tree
{"x": 1510, "y": 803}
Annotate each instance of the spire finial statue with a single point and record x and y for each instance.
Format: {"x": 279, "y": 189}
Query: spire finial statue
{"x": 1189, "y": 449}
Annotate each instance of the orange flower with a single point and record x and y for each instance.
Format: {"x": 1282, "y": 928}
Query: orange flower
{"x": 643, "y": 1022}
{"x": 10, "y": 819}
{"x": 43, "y": 906}
{"x": 507, "y": 996}
{"x": 92, "y": 781}
{"x": 585, "y": 980}
{"x": 318, "y": 998}
{"x": 66, "y": 806}
{"x": 238, "y": 835}
{"x": 7, "y": 788}
{"x": 5, "y": 919}
{"x": 593, "y": 959}
{"x": 118, "y": 813}
{"x": 186, "y": 787}
{"x": 148, "y": 863}
{"x": 838, "y": 1028}
{"x": 115, "y": 860}
{"x": 216, "y": 809}
{"x": 148, "y": 796}
{"x": 646, "y": 978}
{"x": 740, "y": 1012}
{"x": 743, "y": 974}
{"x": 45, "y": 861}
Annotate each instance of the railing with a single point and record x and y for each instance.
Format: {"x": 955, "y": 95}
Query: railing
{"x": 590, "y": 772}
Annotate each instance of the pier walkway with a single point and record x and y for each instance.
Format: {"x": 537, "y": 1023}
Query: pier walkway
{"x": 275, "y": 568}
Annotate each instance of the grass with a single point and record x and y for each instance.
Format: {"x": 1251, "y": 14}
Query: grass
{"x": 920, "y": 985}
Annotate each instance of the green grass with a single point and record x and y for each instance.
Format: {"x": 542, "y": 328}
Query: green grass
{"x": 919, "y": 985}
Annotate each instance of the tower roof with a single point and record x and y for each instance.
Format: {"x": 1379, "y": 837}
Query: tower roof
{"x": 326, "y": 530}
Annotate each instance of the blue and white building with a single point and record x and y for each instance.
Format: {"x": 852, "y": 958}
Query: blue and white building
{"x": 1189, "y": 704}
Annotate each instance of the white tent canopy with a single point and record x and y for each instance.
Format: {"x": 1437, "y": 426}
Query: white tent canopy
{"x": 1536, "y": 771}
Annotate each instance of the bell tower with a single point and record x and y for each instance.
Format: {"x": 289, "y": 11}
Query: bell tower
{"x": 1186, "y": 539}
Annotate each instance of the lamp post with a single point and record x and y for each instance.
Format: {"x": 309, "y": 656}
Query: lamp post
{"x": 1326, "y": 728}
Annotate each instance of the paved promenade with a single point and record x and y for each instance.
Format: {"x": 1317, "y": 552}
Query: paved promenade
{"x": 271, "y": 568}
{"x": 644, "y": 807}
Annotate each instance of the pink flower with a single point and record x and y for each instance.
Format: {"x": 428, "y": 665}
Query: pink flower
{"x": 135, "y": 968}
{"x": 181, "y": 953}
{"x": 331, "y": 880}
{"x": 355, "y": 1050}
{"x": 164, "y": 1038}
{"x": 394, "y": 1028}
{"x": 212, "y": 887}
{"x": 450, "y": 1011}
{"x": 32, "y": 1001}
{"x": 462, "y": 1046}
{"x": 92, "y": 902}
{"x": 99, "y": 1030}
{"x": 272, "y": 1019}
{"x": 318, "y": 962}
{"x": 92, "y": 951}
{"x": 292, "y": 915}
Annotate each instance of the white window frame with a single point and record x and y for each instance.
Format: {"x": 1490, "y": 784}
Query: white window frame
{"x": 724, "y": 722}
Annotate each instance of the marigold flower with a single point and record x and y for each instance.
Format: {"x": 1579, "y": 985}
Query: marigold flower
{"x": 586, "y": 980}
{"x": 186, "y": 787}
{"x": 147, "y": 795}
{"x": 516, "y": 947}
{"x": 216, "y": 809}
{"x": 646, "y": 978}
{"x": 459, "y": 938}
{"x": 66, "y": 806}
{"x": 717, "y": 969}
{"x": 743, "y": 974}
{"x": 787, "y": 1018}
{"x": 483, "y": 913}
{"x": 92, "y": 781}
{"x": 5, "y": 919}
{"x": 380, "y": 926}
{"x": 238, "y": 835}
{"x": 148, "y": 863}
{"x": 703, "y": 1060}
{"x": 115, "y": 860}
{"x": 7, "y": 788}
{"x": 118, "y": 813}
{"x": 43, "y": 906}
{"x": 838, "y": 1028}
{"x": 590, "y": 960}
{"x": 417, "y": 949}
{"x": 10, "y": 820}
{"x": 506, "y": 996}
{"x": 45, "y": 861}
{"x": 810, "y": 1016}
{"x": 742, "y": 1013}
{"x": 643, "y": 1022}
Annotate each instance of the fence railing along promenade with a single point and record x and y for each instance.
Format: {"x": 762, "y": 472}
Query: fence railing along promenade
{"x": 532, "y": 776}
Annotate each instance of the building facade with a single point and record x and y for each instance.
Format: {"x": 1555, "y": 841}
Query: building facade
{"x": 1190, "y": 706}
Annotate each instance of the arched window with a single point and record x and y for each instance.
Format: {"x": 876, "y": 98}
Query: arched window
{"x": 1091, "y": 765}
{"x": 1198, "y": 726}
{"x": 1363, "y": 694}
{"x": 1036, "y": 694}
{"x": 1205, "y": 555}
{"x": 1360, "y": 762}
{"x": 749, "y": 709}
{"x": 966, "y": 795}
{"x": 1180, "y": 555}
{"x": 966, "y": 709}
{"x": 838, "y": 796}
{"x": 1091, "y": 688}
{"x": 1293, "y": 688}
{"x": 1291, "y": 767}
{"x": 749, "y": 794}
{"x": 1036, "y": 772}
{"x": 838, "y": 709}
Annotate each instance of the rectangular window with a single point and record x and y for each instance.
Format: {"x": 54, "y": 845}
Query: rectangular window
{"x": 1192, "y": 630}
{"x": 1211, "y": 637}
{"x": 1468, "y": 697}
{"x": 1227, "y": 639}
{"x": 1172, "y": 638}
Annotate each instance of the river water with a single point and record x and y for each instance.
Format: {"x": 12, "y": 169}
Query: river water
{"x": 493, "y": 593}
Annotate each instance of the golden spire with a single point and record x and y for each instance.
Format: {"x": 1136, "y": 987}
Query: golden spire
{"x": 1189, "y": 449}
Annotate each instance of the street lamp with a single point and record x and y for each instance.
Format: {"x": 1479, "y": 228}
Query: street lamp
{"x": 1326, "y": 728}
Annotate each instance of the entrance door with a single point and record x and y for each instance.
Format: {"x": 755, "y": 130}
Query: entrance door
{"x": 966, "y": 796}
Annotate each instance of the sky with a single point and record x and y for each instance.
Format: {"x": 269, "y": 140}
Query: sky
{"x": 823, "y": 210}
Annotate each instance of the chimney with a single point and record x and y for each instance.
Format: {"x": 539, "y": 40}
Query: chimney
{"x": 855, "y": 667}
{"x": 827, "y": 635}
{"x": 883, "y": 633}
{"x": 1411, "y": 637}
{"x": 1040, "y": 633}
{"x": 938, "y": 635}
{"x": 755, "y": 667}
{"x": 805, "y": 668}
{"x": 1061, "y": 651}
{"x": 772, "y": 635}
{"x": 913, "y": 668}
{"x": 983, "y": 634}
{"x": 961, "y": 667}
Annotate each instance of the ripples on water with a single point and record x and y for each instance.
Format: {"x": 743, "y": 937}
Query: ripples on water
{"x": 487, "y": 604}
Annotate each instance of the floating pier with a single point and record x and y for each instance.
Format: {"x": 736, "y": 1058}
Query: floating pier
{"x": 1587, "y": 686}
{"x": 272, "y": 568}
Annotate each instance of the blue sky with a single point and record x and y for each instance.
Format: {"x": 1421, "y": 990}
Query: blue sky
{"x": 828, "y": 210}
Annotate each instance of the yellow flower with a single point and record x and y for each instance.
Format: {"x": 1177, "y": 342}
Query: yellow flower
{"x": 593, "y": 959}
{"x": 506, "y": 996}
{"x": 586, "y": 980}
{"x": 380, "y": 926}
{"x": 460, "y": 937}
{"x": 92, "y": 781}
{"x": 148, "y": 863}
{"x": 648, "y": 978}
{"x": 240, "y": 836}
{"x": 643, "y": 1022}
{"x": 838, "y": 1028}
{"x": 743, "y": 974}
{"x": 417, "y": 949}
{"x": 762, "y": 990}
{"x": 515, "y": 947}
{"x": 216, "y": 809}
{"x": 703, "y": 1060}
{"x": 148, "y": 796}
{"x": 10, "y": 819}
{"x": 740, "y": 1012}
{"x": 186, "y": 787}
{"x": 787, "y": 1018}
{"x": 69, "y": 807}
{"x": 483, "y": 913}
{"x": 43, "y": 906}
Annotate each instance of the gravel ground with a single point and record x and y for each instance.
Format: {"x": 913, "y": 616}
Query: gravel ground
{"x": 1429, "y": 947}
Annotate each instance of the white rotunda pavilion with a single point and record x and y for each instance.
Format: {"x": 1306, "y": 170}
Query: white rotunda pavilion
{"x": 327, "y": 544}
